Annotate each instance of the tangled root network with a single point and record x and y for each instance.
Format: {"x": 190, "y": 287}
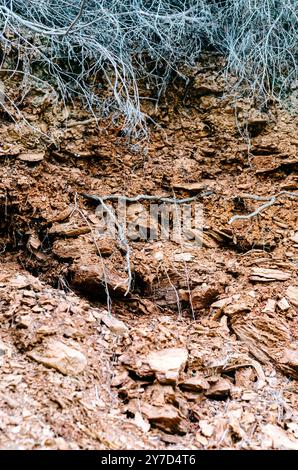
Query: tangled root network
{"x": 102, "y": 50}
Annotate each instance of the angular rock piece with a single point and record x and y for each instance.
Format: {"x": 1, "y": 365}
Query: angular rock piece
{"x": 203, "y": 296}
{"x": 166, "y": 417}
{"x": 236, "y": 308}
{"x": 33, "y": 243}
{"x": 221, "y": 303}
{"x": 292, "y": 295}
{"x": 90, "y": 278}
{"x": 290, "y": 359}
{"x": 32, "y": 157}
{"x": 141, "y": 423}
{"x": 116, "y": 326}
{"x": 183, "y": 257}
{"x": 206, "y": 428}
{"x": 221, "y": 389}
{"x": 283, "y": 304}
{"x": 191, "y": 187}
{"x": 136, "y": 363}
{"x": 268, "y": 275}
{"x": 269, "y": 339}
{"x": 74, "y": 248}
{"x": 20, "y": 281}
{"x": 217, "y": 308}
{"x": 280, "y": 439}
{"x": 270, "y": 306}
{"x": 61, "y": 357}
{"x": 167, "y": 364}
{"x": 120, "y": 376}
{"x": 194, "y": 384}
{"x": 265, "y": 163}
{"x": 68, "y": 248}
{"x": 59, "y": 215}
{"x": 68, "y": 230}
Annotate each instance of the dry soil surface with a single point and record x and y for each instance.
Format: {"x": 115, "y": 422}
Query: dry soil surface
{"x": 203, "y": 350}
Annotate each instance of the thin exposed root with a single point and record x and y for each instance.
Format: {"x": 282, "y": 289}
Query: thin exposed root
{"x": 270, "y": 200}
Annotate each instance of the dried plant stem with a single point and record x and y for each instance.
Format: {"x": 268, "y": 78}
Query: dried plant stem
{"x": 270, "y": 200}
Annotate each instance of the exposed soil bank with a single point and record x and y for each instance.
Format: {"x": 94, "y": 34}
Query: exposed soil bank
{"x": 224, "y": 314}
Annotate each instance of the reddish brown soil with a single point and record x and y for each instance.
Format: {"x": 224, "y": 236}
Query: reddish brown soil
{"x": 243, "y": 352}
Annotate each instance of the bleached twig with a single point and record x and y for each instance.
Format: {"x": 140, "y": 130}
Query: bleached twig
{"x": 123, "y": 241}
{"x": 77, "y": 17}
{"x": 143, "y": 197}
{"x": 105, "y": 279}
{"x": 270, "y": 200}
{"x": 121, "y": 233}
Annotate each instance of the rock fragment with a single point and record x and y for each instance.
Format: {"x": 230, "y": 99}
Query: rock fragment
{"x": 59, "y": 356}
{"x": 183, "y": 257}
{"x": 290, "y": 359}
{"x": 194, "y": 384}
{"x": 116, "y": 326}
{"x": 270, "y": 306}
{"x": 280, "y": 439}
{"x": 166, "y": 417}
{"x": 283, "y": 304}
{"x": 268, "y": 275}
{"x": 32, "y": 157}
{"x": 19, "y": 281}
{"x": 236, "y": 308}
{"x": 167, "y": 364}
{"x": 90, "y": 278}
{"x": 203, "y": 296}
{"x": 206, "y": 428}
{"x": 220, "y": 389}
{"x": 68, "y": 230}
{"x": 292, "y": 295}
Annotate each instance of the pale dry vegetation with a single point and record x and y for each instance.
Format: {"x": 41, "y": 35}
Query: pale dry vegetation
{"x": 106, "y": 51}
